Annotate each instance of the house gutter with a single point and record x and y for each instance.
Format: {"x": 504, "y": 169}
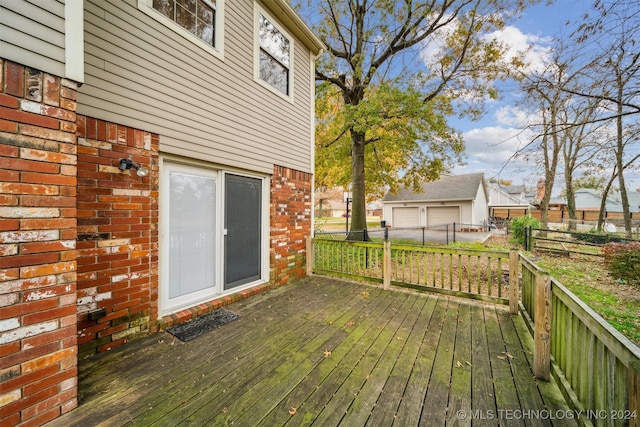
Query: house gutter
{"x": 283, "y": 10}
{"x": 426, "y": 201}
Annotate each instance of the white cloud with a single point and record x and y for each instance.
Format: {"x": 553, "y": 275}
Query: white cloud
{"x": 535, "y": 50}
{"x": 491, "y": 149}
{"x": 512, "y": 116}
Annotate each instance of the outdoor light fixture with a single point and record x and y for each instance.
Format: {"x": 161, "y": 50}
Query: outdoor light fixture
{"x": 129, "y": 164}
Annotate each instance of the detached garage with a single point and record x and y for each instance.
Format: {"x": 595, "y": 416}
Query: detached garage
{"x": 405, "y": 216}
{"x": 438, "y": 215}
{"x": 460, "y": 199}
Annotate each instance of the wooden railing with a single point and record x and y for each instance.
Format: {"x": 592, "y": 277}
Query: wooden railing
{"x": 356, "y": 260}
{"x": 463, "y": 272}
{"x": 471, "y": 273}
{"x": 597, "y": 367}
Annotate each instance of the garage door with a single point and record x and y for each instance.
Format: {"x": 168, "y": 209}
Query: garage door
{"x": 405, "y": 217}
{"x": 443, "y": 215}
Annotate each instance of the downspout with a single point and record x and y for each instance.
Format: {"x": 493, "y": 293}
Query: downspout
{"x": 312, "y": 136}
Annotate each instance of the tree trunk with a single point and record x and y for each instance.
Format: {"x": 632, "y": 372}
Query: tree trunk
{"x": 550, "y": 163}
{"x": 359, "y": 205}
{"x": 603, "y": 201}
{"x": 624, "y": 199}
{"x": 571, "y": 199}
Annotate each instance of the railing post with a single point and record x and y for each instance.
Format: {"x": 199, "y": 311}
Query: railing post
{"x": 634, "y": 393}
{"x": 542, "y": 327}
{"x": 514, "y": 281}
{"x": 386, "y": 265}
{"x": 309, "y": 255}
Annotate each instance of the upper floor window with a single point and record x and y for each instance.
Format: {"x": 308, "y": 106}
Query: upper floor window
{"x": 275, "y": 56}
{"x": 198, "y": 20}
{"x": 195, "y": 16}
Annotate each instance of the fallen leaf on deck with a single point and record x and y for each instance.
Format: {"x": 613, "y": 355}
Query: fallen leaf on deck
{"x": 327, "y": 353}
{"x": 365, "y": 294}
{"x": 458, "y": 364}
{"x": 292, "y": 410}
{"x": 509, "y": 355}
{"x": 351, "y": 323}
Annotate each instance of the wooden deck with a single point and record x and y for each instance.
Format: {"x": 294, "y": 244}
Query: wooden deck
{"x": 328, "y": 353}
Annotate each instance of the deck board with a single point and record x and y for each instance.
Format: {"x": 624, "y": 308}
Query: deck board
{"x": 324, "y": 352}
{"x": 460, "y": 396}
{"x": 384, "y": 412}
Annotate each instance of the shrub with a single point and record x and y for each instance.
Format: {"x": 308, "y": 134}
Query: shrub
{"x": 622, "y": 261}
{"x": 518, "y": 225}
{"x": 600, "y": 239}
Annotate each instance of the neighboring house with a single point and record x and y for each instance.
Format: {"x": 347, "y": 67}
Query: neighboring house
{"x": 337, "y": 207}
{"x": 330, "y": 208}
{"x": 374, "y": 209}
{"x": 462, "y": 199}
{"x": 589, "y": 199}
{"x": 214, "y": 101}
{"x": 507, "y": 201}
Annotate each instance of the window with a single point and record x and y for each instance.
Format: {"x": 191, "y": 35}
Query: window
{"x": 274, "y": 55}
{"x": 196, "y": 16}
{"x": 197, "y": 20}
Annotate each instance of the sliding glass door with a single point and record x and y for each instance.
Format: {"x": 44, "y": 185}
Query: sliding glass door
{"x": 213, "y": 237}
{"x": 189, "y": 227}
{"x": 243, "y": 227}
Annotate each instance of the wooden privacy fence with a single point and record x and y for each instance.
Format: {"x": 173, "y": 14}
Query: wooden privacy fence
{"x": 597, "y": 368}
{"x": 582, "y": 216}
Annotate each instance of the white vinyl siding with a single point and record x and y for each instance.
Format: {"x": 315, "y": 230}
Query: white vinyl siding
{"x": 32, "y": 33}
{"x": 216, "y": 48}
{"x": 142, "y": 74}
{"x": 479, "y": 208}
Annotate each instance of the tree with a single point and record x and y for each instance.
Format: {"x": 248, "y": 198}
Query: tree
{"x": 408, "y": 142}
{"x": 579, "y": 147}
{"x": 431, "y": 51}
{"x": 588, "y": 181}
{"x": 543, "y": 89}
{"x": 614, "y": 70}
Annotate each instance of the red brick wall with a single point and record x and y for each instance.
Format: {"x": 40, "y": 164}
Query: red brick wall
{"x": 117, "y": 234}
{"x": 290, "y": 223}
{"x": 77, "y": 234}
{"x": 38, "y": 352}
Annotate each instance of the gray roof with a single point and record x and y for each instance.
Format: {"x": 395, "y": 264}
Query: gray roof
{"x": 589, "y": 198}
{"x": 448, "y": 187}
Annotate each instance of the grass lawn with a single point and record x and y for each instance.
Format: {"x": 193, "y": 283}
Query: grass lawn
{"x": 588, "y": 279}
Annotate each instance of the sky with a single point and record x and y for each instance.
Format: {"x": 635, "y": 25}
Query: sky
{"x": 491, "y": 141}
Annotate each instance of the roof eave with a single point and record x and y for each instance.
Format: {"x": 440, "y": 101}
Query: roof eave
{"x": 428, "y": 200}
{"x": 283, "y": 10}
